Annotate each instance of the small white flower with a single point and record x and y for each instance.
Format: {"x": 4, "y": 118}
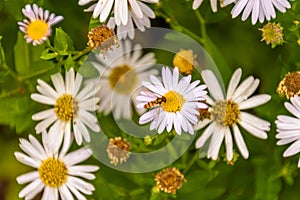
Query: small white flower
{"x": 38, "y": 28}
{"x": 73, "y": 104}
{"x": 288, "y": 128}
{"x": 125, "y": 14}
{"x": 213, "y": 3}
{"x": 227, "y": 111}
{"x": 121, "y": 72}
{"x": 141, "y": 23}
{"x": 172, "y": 102}
{"x": 259, "y": 9}
{"x": 57, "y": 175}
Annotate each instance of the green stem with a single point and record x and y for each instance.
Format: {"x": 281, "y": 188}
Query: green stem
{"x": 10, "y": 71}
{"x": 81, "y": 53}
{"x": 178, "y": 27}
{"x": 191, "y": 163}
{"x": 202, "y": 24}
{"x": 37, "y": 73}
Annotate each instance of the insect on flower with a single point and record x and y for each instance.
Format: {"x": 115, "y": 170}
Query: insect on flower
{"x": 157, "y": 101}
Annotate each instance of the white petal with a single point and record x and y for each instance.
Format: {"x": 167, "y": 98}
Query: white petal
{"x": 205, "y": 135}
{"x": 255, "y": 101}
{"x": 253, "y": 130}
{"x": 234, "y": 81}
{"x": 215, "y": 143}
{"x": 58, "y": 83}
{"x": 65, "y": 193}
{"x": 240, "y": 141}
{"x": 28, "y": 177}
{"x": 26, "y": 160}
{"x": 293, "y": 149}
{"x": 255, "y": 121}
{"x": 30, "y": 188}
{"x": 213, "y": 85}
{"x": 77, "y": 156}
{"x": 228, "y": 144}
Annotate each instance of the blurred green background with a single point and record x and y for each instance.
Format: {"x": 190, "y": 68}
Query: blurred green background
{"x": 265, "y": 175}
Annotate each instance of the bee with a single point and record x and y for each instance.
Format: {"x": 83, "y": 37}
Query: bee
{"x": 157, "y": 101}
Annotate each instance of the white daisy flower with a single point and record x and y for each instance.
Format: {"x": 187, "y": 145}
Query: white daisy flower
{"x": 259, "y": 9}
{"x": 226, "y": 112}
{"x": 172, "y": 102}
{"x": 141, "y": 23}
{"x": 57, "y": 175}
{"x": 213, "y": 3}
{"x": 288, "y": 128}
{"x": 121, "y": 72}
{"x": 38, "y": 28}
{"x": 72, "y": 107}
{"x": 125, "y": 14}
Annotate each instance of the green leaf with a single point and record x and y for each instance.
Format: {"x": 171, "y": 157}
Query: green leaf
{"x": 69, "y": 63}
{"x": 47, "y": 56}
{"x": 94, "y": 22}
{"x": 25, "y": 54}
{"x": 88, "y": 70}
{"x": 62, "y": 41}
{"x": 16, "y": 112}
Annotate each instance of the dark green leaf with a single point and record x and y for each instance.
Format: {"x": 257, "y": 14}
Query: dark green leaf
{"x": 62, "y": 41}
{"x": 69, "y": 63}
{"x": 48, "y": 56}
{"x": 25, "y": 54}
{"x": 88, "y": 70}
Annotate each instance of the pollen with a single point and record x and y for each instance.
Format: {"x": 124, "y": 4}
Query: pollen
{"x": 103, "y": 38}
{"x": 290, "y": 84}
{"x": 226, "y": 112}
{"x": 123, "y": 79}
{"x": 53, "y": 172}
{"x": 118, "y": 150}
{"x": 272, "y": 34}
{"x": 185, "y": 60}
{"x": 37, "y": 29}
{"x": 169, "y": 180}
{"x": 173, "y": 101}
{"x": 65, "y": 107}
{"x": 204, "y": 114}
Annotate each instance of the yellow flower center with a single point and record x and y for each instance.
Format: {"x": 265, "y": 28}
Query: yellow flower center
{"x": 123, "y": 79}
{"x": 226, "y": 112}
{"x": 102, "y": 37}
{"x": 290, "y": 84}
{"x": 65, "y": 107}
{"x": 184, "y": 60}
{"x": 37, "y": 29}
{"x": 169, "y": 180}
{"x": 173, "y": 102}
{"x": 272, "y": 33}
{"x": 118, "y": 150}
{"x": 53, "y": 172}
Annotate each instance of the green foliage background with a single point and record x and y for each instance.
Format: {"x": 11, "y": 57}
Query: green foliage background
{"x": 232, "y": 44}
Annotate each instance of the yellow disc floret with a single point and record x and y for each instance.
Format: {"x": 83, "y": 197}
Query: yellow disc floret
{"x": 37, "y": 29}
{"x": 290, "y": 84}
{"x": 53, "y": 172}
{"x": 226, "y": 112}
{"x": 173, "y": 102}
{"x": 185, "y": 61}
{"x": 65, "y": 107}
{"x": 169, "y": 180}
{"x": 123, "y": 79}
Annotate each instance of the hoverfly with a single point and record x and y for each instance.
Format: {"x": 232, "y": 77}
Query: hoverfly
{"x": 157, "y": 101}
